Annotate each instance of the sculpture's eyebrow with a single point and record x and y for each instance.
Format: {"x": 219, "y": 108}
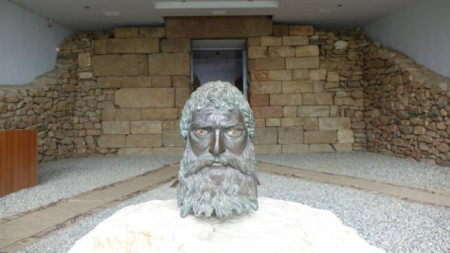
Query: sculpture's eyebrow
{"x": 236, "y": 125}
{"x": 200, "y": 124}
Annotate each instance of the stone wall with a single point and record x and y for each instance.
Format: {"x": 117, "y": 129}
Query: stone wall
{"x": 407, "y": 107}
{"x": 305, "y": 90}
{"x": 122, "y": 92}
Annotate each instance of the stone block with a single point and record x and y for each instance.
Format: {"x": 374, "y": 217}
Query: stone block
{"x": 121, "y": 114}
{"x": 85, "y": 75}
{"x": 176, "y": 45}
{"x": 84, "y": 59}
{"x": 300, "y": 74}
{"x": 267, "y": 149}
{"x": 133, "y": 46}
{"x": 345, "y": 136}
{"x": 419, "y": 130}
{"x": 178, "y": 151}
{"x": 124, "y": 82}
{"x": 259, "y": 100}
{"x": 265, "y": 87}
{"x": 309, "y": 50}
{"x": 146, "y": 127}
{"x": 159, "y": 113}
{"x": 343, "y": 147}
{"x": 161, "y": 81}
{"x": 181, "y": 81}
{"x": 321, "y": 148}
{"x": 266, "y": 135}
{"x": 281, "y": 75}
{"x": 119, "y": 65}
{"x": 295, "y": 40}
{"x": 273, "y": 122}
{"x": 301, "y": 30}
{"x": 152, "y": 32}
{"x": 116, "y": 127}
{"x": 181, "y": 96}
{"x": 257, "y": 52}
{"x": 260, "y": 75}
{"x": 280, "y": 30}
{"x": 320, "y": 137}
{"x": 143, "y": 141}
{"x": 290, "y": 135}
{"x": 285, "y": 99}
{"x": 317, "y": 98}
{"x": 311, "y": 124}
{"x": 213, "y": 27}
{"x": 334, "y": 123}
{"x": 318, "y": 74}
{"x": 287, "y": 122}
{"x": 318, "y": 86}
{"x": 313, "y": 111}
{"x": 289, "y": 111}
{"x": 167, "y": 124}
{"x": 260, "y": 122}
{"x": 298, "y": 86}
{"x": 266, "y": 64}
{"x": 267, "y": 112}
{"x": 294, "y": 148}
{"x": 281, "y": 51}
{"x": 332, "y": 76}
{"x": 126, "y": 32}
{"x": 270, "y": 41}
{"x": 135, "y": 151}
{"x": 172, "y": 138}
{"x": 302, "y": 63}
{"x": 331, "y": 85}
{"x": 169, "y": 64}
{"x": 111, "y": 141}
{"x": 271, "y": 75}
{"x": 101, "y": 46}
{"x": 145, "y": 97}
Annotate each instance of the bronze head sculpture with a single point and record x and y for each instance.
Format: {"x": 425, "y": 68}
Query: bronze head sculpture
{"x": 217, "y": 174}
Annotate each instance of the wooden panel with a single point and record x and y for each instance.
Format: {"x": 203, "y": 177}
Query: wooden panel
{"x": 18, "y": 160}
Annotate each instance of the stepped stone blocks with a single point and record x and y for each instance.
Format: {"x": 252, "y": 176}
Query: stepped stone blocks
{"x": 122, "y": 92}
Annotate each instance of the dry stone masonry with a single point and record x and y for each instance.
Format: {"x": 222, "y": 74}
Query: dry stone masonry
{"x": 121, "y": 92}
{"x": 407, "y": 107}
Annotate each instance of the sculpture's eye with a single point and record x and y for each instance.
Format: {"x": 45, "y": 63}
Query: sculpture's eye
{"x": 201, "y": 132}
{"x": 233, "y": 132}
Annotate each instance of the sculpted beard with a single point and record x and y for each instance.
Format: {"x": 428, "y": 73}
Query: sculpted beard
{"x": 198, "y": 190}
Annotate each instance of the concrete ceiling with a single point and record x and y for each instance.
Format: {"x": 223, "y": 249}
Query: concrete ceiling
{"x": 88, "y": 15}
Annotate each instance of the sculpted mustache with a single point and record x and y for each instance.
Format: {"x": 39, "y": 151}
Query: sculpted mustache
{"x": 208, "y": 159}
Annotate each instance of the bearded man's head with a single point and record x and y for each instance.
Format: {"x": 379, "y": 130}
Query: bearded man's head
{"x": 218, "y": 170}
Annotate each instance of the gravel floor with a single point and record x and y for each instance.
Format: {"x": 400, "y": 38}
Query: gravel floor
{"x": 65, "y": 178}
{"x": 396, "y": 226}
{"x": 370, "y": 166}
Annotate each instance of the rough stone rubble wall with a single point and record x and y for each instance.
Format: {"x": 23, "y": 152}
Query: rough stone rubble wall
{"x": 122, "y": 92}
{"x": 407, "y": 107}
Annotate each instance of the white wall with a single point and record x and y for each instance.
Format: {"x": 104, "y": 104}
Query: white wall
{"x": 27, "y": 44}
{"x": 420, "y": 30}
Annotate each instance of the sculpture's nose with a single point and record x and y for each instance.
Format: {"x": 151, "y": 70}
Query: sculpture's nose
{"x": 217, "y": 146}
